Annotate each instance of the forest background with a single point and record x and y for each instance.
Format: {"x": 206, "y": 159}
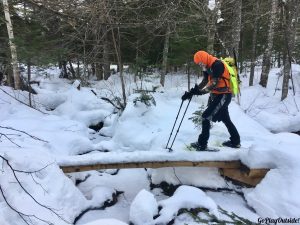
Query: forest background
{"x": 86, "y": 37}
{"x": 89, "y": 40}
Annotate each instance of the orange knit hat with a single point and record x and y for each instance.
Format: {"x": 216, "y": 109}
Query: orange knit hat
{"x": 204, "y": 57}
{"x": 200, "y": 57}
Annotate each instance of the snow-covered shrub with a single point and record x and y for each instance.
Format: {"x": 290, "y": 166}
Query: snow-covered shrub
{"x": 145, "y": 98}
{"x": 197, "y": 116}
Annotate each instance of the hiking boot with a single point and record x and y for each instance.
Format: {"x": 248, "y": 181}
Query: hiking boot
{"x": 230, "y": 144}
{"x": 198, "y": 147}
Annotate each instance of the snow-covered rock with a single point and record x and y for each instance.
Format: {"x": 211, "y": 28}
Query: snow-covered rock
{"x": 106, "y": 222}
{"x": 143, "y": 208}
{"x": 185, "y": 197}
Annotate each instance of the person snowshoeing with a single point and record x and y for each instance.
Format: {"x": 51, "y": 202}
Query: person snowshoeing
{"x": 216, "y": 81}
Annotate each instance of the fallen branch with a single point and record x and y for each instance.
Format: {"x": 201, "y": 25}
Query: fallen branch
{"x": 10, "y": 128}
{"x": 121, "y": 107}
{"x": 6, "y": 136}
{"x": 107, "y": 203}
{"x": 22, "y": 102}
{"x": 22, "y": 215}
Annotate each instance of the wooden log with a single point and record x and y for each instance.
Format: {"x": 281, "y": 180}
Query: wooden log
{"x": 218, "y": 164}
{"x": 254, "y": 172}
{"x": 234, "y": 170}
{"x": 257, "y": 172}
{"x": 240, "y": 176}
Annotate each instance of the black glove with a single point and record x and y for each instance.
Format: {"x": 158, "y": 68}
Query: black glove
{"x": 187, "y": 95}
{"x": 202, "y": 92}
{"x": 205, "y": 73}
{"x": 196, "y": 91}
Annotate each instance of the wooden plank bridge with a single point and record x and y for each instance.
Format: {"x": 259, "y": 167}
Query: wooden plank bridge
{"x": 232, "y": 169}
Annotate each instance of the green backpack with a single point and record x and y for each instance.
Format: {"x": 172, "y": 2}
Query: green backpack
{"x": 234, "y": 83}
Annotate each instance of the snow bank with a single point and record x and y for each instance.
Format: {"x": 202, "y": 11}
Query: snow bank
{"x": 106, "y": 222}
{"x": 185, "y": 197}
{"x": 265, "y": 105}
{"x": 277, "y": 194}
{"x": 140, "y": 134}
{"x": 199, "y": 177}
{"x": 143, "y": 208}
{"x": 48, "y": 187}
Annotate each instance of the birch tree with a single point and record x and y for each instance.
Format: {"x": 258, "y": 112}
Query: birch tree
{"x": 266, "y": 65}
{"x": 13, "y": 48}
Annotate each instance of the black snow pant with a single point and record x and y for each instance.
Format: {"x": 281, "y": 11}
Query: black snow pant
{"x": 217, "y": 110}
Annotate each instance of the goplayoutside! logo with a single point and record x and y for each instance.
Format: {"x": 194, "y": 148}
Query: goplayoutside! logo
{"x": 278, "y": 220}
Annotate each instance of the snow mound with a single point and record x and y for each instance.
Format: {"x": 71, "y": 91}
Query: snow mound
{"x": 185, "y": 197}
{"x": 209, "y": 177}
{"x": 42, "y": 187}
{"x": 143, "y": 208}
{"x": 106, "y": 222}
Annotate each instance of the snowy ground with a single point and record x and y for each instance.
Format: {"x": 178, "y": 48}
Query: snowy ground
{"x": 60, "y": 135}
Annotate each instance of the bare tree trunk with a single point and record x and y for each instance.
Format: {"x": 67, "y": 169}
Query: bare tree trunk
{"x": 99, "y": 71}
{"x": 267, "y": 54}
{"x": 211, "y": 27}
{"x": 120, "y": 65}
{"x": 236, "y": 32}
{"x": 254, "y": 39}
{"x": 241, "y": 66}
{"x": 286, "y": 77}
{"x": 63, "y": 69}
{"x": 29, "y": 78}
{"x": 189, "y": 74}
{"x": 78, "y": 69}
{"x": 71, "y": 69}
{"x": 278, "y": 59}
{"x": 106, "y": 63}
{"x": 93, "y": 69}
{"x": 291, "y": 11}
{"x": 165, "y": 56}
{"x": 13, "y": 48}
{"x": 137, "y": 66}
{"x": 85, "y": 67}
{"x": 297, "y": 40}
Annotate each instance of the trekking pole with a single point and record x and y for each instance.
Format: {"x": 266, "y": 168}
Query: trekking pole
{"x": 174, "y": 123}
{"x": 170, "y": 149}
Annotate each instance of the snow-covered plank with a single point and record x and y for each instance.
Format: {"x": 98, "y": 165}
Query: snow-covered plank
{"x": 158, "y": 164}
{"x": 148, "y": 159}
{"x": 145, "y": 156}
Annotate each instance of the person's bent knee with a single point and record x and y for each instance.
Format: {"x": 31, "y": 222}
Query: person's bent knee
{"x": 205, "y": 120}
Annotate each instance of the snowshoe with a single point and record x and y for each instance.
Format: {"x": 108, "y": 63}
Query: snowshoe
{"x": 201, "y": 148}
{"x": 230, "y": 144}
